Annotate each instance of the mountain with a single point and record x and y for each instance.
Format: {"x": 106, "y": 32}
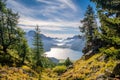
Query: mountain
{"x": 75, "y": 43}
{"x": 47, "y": 41}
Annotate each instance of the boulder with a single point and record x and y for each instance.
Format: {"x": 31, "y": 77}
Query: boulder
{"x": 102, "y": 58}
{"x": 116, "y": 70}
{"x": 88, "y": 54}
{"x": 101, "y": 77}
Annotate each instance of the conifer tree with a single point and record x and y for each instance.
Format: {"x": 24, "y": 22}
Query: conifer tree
{"x": 11, "y": 37}
{"x": 109, "y": 14}
{"x": 38, "y": 47}
{"x": 8, "y": 27}
{"x": 89, "y": 27}
{"x": 68, "y": 62}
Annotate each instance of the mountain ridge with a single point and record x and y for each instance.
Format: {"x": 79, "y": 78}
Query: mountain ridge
{"x": 75, "y": 43}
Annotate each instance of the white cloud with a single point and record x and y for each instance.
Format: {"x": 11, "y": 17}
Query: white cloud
{"x": 48, "y": 2}
{"x": 70, "y": 4}
{"x": 54, "y": 11}
{"x": 60, "y": 3}
{"x": 60, "y": 35}
{"x": 21, "y": 9}
{"x": 32, "y": 22}
{"x": 29, "y": 22}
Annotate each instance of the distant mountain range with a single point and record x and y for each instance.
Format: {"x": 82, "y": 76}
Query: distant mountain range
{"x": 74, "y": 43}
{"x": 47, "y": 41}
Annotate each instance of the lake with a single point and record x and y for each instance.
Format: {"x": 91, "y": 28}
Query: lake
{"x": 63, "y": 53}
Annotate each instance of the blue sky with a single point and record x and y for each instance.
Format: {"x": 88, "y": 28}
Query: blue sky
{"x": 56, "y": 18}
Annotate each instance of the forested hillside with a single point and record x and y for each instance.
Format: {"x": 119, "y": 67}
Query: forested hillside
{"x": 15, "y": 54}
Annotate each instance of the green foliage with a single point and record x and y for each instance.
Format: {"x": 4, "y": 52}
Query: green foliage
{"x": 13, "y": 45}
{"x": 110, "y": 26}
{"x": 47, "y": 63}
{"x": 89, "y": 28}
{"x": 111, "y": 52}
{"x": 112, "y": 6}
{"x": 89, "y": 24}
{"x": 38, "y": 48}
{"x": 60, "y": 69}
{"x": 67, "y": 62}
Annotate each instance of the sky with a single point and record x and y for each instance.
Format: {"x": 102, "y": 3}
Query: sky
{"x": 56, "y": 18}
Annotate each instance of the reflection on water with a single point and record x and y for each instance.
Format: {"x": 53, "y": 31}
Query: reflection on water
{"x": 63, "y": 53}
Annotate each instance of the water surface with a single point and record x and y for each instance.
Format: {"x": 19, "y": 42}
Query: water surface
{"x": 63, "y": 53}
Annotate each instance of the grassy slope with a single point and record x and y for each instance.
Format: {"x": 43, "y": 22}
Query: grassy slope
{"x": 90, "y": 69}
{"x": 25, "y": 73}
{"x": 83, "y": 70}
{"x": 17, "y": 73}
{"x": 48, "y": 74}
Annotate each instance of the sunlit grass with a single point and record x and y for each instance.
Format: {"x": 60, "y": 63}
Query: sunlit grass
{"x": 90, "y": 69}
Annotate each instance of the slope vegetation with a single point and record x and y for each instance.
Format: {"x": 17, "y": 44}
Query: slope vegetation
{"x": 98, "y": 67}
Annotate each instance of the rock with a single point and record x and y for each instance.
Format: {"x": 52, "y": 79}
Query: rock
{"x": 108, "y": 72}
{"x": 3, "y": 72}
{"x": 88, "y": 55}
{"x": 95, "y": 68}
{"x": 90, "y": 62}
{"x": 101, "y": 77}
{"x": 70, "y": 66}
{"x": 117, "y": 77}
{"x": 102, "y": 58}
{"x": 111, "y": 76}
{"x": 116, "y": 69}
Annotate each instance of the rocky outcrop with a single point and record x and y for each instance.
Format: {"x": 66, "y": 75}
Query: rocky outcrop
{"x": 101, "y": 77}
{"x": 88, "y": 54}
{"x": 116, "y": 71}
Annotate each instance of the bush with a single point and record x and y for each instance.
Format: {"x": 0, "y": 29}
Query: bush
{"x": 60, "y": 69}
{"x": 68, "y": 62}
{"x": 112, "y": 52}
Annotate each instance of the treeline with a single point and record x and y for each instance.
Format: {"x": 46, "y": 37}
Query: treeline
{"x": 106, "y": 37}
{"x": 14, "y": 49}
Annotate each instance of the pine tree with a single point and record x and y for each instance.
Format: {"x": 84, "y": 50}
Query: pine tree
{"x": 110, "y": 6}
{"x": 8, "y": 28}
{"x": 109, "y": 14}
{"x": 68, "y": 62}
{"x": 38, "y": 47}
{"x": 89, "y": 27}
{"x": 11, "y": 37}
